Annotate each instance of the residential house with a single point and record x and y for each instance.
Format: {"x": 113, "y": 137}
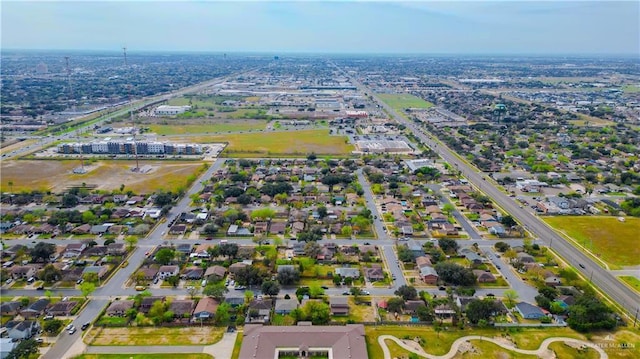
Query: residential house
{"x": 184, "y": 248}
{"x": 278, "y": 227}
{"x": 99, "y": 229}
{"x": 236, "y": 267}
{"x": 36, "y": 308}
{"x": 182, "y": 308}
{"x": 484, "y": 276}
{"x": 23, "y": 272}
{"x": 74, "y": 250}
{"x": 24, "y": 330}
{"x": 101, "y": 271}
{"x": 339, "y": 305}
{"x": 206, "y": 308}
{"x": 415, "y": 248}
{"x": 259, "y": 311}
{"x": 147, "y": 303}
{"x": 497, "y": 230}
{"x": 119, "y": 308}
{"x": 423, "y": 261}
{"x": 428, "y": 275}
{"x": 62, "y": 308}
{"x": 552, "y": 281}
{"x": 444, "y": 310}
{"x": 374, "y": 273}
{"x": 234, "y": 301}
{"x": 178, "y": 229}
{"x": 462, "y": 302}
{"x": 116, "y": 249}
{"x": 525, "y": 258}
{"x": 285, "y": 306}
{"x": 168, "y": 271}
{"x": 10, "y": 308}
{"x": 529, "y": 311}
{"x": 286, "y": 267}
{"x": 192, "y": 273}
{"x": 6, "y": 346}
{"x": 411, "y": 306}
{"x": 345, "y": 272}
{"x": 149, "y": 273}
{"x": 260, "y": 228}
{"x": 215, "y": 273}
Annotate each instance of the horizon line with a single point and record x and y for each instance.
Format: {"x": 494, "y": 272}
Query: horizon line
{"x": 302, "y": 52}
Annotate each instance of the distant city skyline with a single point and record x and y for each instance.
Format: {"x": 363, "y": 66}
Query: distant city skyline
{"x": 415, "y": 27}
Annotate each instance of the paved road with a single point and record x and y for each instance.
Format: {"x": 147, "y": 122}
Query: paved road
{"x": 628, "y": 299}
{"x": 462, "y": 220}
{"x": 66, "y": 340}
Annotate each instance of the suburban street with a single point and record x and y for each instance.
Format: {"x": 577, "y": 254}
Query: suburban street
{"x": 625, "y": 297}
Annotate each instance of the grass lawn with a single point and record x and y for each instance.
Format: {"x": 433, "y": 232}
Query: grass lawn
{"x": 154, "y": 336}
{"x": 403, "y": 101}
{"x": 614, "y": 241}
{"x": 489, "y": 350}
{"x": 217, "y": 126}
{"x": 631, "y": 281}
{"x": 563, "y": 350}
{"x": 631, "y": 88}
{"x": 291, "y": 143}
{"x": 106, "y": 175}
{"x": 144, "y": 356}
{"x": 236, "y": 346}
{"x": 440, "y": 343}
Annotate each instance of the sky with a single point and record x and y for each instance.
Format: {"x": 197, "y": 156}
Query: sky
{"x": 453, "y": 27}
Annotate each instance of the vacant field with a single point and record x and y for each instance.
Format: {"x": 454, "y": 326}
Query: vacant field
{"x": 632, "y": 282}
{"x": 403, "y": 101}
{"x": 615, "y": 242}
{"x": 631, "y": 88}
{"x": 144, "y": 356}
{"x": 591, "y": 121}
{"x": 288, "y": 143}
{"x": 154, "y": 336}
{"x": 210, "y": 127}
{"x": 106, "y": 175}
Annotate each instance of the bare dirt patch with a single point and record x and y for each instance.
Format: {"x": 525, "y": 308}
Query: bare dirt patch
{"x": 155, "y": 336}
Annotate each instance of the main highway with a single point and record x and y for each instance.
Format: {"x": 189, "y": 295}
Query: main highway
{"x": 607, "y": 283}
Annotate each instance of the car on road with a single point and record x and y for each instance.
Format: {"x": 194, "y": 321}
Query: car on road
{"x": 366, "y": 292}
{"x": 498, "y": 267}
{"x": 346, "y": 293}
{"x": 40, "y": 287}
{"x": 85, "y": 326}
{"x": 581, "y": 265}
{"x": 324, "y": 287}
{"x": 442, "y": 288}
{"x": 72, "y": 330}
{"x": 240, "y": 287}
{"x": 140, "y": 288}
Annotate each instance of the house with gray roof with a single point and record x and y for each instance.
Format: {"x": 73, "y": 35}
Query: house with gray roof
{"x": 24, "y": 330}
{"x": 285, "y": 306}
{"x": 345, "y": 272}
{"x": 529, "y": 311}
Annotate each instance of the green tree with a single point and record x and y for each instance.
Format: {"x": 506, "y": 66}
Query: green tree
{"x": 407, "y": 292}
{"x": 50, "y": 274}
{"x": 448, "y": 245}
{"x": 263, "y": 213}
{"x": 316, "y": 312}
{"x": 216, "y": 290}
{"x": 223, "y": 315}
{"x": 315, "y": 291}
{"x": 173, "y": 280}
{"x": 448, "y": 208}
{"x": 288, "y": 276}
{"x": 42, "y": 251}
{"x": 53, "y": 326}
{"x": 395, "y": 305}
{"x": 131, "y": 241}
{"x": 87, "y": 288}
{"x": 25, "y": 349}
{"x": 511, "y": 296}
{"x": 164, "y": 256}
{"x": 270, "y": 288}
{"x": 480, "y": 310}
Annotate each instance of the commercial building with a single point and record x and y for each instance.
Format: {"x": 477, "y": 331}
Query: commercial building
{"x": 130, "y": 148}
{"x": 166, "y": 110}
{"x": 303, "y": 341}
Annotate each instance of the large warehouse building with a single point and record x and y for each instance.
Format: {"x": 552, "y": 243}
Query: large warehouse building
{"x": 166, "y": 110}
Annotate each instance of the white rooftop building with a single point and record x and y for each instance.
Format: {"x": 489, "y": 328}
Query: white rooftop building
{"x": 166, "y": 110}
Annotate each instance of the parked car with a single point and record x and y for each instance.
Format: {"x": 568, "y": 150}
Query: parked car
{"x": 72, "y": 330}
{"x": 48, "y": 317}
{"x": 85, "y": 326}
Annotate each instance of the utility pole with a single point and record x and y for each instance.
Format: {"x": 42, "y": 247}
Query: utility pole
{"x": 133, "y": 126}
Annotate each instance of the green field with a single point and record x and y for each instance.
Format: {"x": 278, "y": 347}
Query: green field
{"x": 614, "y": 242}
{"x": 221, "y": 126}
{"x": 402, "y": 101}
{"x": 631, "y": 88}
{"x": 288, "y": 143}
{"x": 632, "y": 282}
